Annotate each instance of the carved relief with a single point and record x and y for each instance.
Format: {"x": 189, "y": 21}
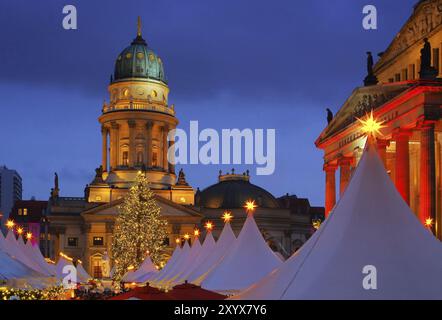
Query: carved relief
{"x": 427, "y": 18}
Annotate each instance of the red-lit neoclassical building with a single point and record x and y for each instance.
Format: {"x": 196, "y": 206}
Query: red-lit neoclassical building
{"x": 404, "y": 90}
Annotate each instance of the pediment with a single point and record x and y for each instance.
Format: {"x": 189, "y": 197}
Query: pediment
{"x": 361, "y": 102}
{"x": 425, "y": 20}
{"x": 168, "y": 209}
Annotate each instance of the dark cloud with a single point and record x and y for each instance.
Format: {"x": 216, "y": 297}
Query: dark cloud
{"x": 230, "y": 64}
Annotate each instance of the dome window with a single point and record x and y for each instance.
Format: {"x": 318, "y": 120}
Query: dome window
{"x": 128, "y": 55}
{"x": 151, "y": 57}
{"x": 126, "y": 92}
{"x": 140, "y": 55}
{"x": 154, "y": 94}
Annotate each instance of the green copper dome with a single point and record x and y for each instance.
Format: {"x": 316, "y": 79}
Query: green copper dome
{"x": 138, "y": 61}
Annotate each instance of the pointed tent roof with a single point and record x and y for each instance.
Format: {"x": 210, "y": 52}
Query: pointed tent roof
{"x": 169, "y": 265}
{"x": 371, "y": 225}
{"x": 62, "y": 262}
{"x": 82, "y": 275}
{"x": 206, "y": 249}
{"x": 222, "y": 246}
{"x": 146, "y": 270}
{"x": 34, "y": 251}
{"x": 15, "y": 248}
{"x": 164, "y": 274}
{"x": 247, "y": 262}
{"x": 185, "y": 263}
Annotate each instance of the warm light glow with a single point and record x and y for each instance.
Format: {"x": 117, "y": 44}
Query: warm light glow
{"x": 130, "y": 268}
{"x": 227, "y": 216}
{"x": 10, "y": 224}
{"x": 79, "y": 261}
{"x": 186, "y": 236}
{"x": 209, "y": 226}
{"x": 20, "y": 230}
{"x": 177, "y": 240}
{"x": 250, "y": 205}
{"x": 196, "y": 232}
{"x": 429, "y": 222}
{"x": 66, "y": 256}
{"x": 316, "y": 224}
{"x": 370, "y": 125}
{"x": 29, "y": 236}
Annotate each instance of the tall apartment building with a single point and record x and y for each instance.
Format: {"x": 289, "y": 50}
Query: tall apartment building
{"x": 10, "y": 191}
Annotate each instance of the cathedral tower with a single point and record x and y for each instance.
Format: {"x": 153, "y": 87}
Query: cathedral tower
{"x": 135, "y": 125}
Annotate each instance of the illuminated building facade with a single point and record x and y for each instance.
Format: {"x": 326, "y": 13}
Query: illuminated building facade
{"x": 135, "y": 123}
{"x": 404, "y": 91}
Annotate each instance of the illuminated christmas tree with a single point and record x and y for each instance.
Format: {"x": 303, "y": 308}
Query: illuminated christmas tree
{"x": 139, "y": 229}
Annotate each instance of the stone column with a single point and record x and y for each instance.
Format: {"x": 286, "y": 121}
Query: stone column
{"x": 330, "y": 187}
{"x": 382, "y": 145}
{"x": 402, "y": 179}
{"x": 172, "y": 160}
{"x": 164, "y": 131}
{"x": 132, "y": 149}
{"x": 427, "y": 202}
{"x": 104, "y": 147}
{"x": 114, "y": 146}
{"x": 345, "y": 173}
{"x": 148, "y": 151}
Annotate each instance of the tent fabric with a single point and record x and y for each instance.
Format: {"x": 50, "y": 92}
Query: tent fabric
{"x": 184, "y": 263}
{"x": 247, "y": 262}
{"x": 15, "y": 249}
{"x": 62, "y": 262}
{"x": 169, "y": 265}
{"x": 206, "y": 249}
{"x": 146, "y": 270}
{"x": 223, "y": 245}
{"x": 82, "y": 275}
{"x": 174, "y": 265}
{"x": 370, "y": 226}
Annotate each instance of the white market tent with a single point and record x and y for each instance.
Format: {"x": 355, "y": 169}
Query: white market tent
{"x": 15, "y": 248}
{"x": 146, "y": 270}
{"x": 82, "y": 275}
{"x": 34, "y": 251}
{"x": 370, "y": 226}
{"x": 184, "y": 263}
{"x": 62, "y": 262}
{"x": 247, "y": 262}
{"x": 29, "y": 256}
{"x": 16, "y": 273}
{"x": 223, "y": 245}
{"x": 206, "y": 249}
{"x": 172, "y": 265}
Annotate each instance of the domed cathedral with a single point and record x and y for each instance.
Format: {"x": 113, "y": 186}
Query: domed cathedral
{"x": 285, "y": 222}
{"x": 403, "y": 89}
{"x": 134, "y": 125}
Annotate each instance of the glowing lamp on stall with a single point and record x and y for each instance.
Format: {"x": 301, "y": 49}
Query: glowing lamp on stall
{"x": 10, "y": 224}
{"x": 209, "y": 226}
{"x": 429, "y": 222}
{"x": 370, "y": 126}
{"x": 196, "y": 232}
{"x": 20, "y": 230}
{"x": 187, "y": 236}
{"x": 29, "y": 236}
{"x": 250, "y": 206}
{"x": 177, "y": 240}
{"x": 227, "y": 216}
